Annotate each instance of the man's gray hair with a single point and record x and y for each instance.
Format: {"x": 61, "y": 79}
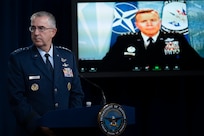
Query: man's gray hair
{"x": 51, "y": 19}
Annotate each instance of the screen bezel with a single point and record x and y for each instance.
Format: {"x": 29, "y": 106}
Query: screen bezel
{"x": 119, "y": 73}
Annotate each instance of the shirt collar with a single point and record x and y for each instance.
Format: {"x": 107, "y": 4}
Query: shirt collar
{"x": 50, "y": 52}
{"x": 145, "y": 37}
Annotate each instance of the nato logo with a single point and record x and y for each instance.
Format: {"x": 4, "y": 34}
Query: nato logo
{"x": 124, "y": 18}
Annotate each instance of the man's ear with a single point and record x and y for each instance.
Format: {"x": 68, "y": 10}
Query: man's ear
{"x": 54, "y": 31}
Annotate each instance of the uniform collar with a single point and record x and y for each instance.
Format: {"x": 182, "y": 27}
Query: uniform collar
{"x": 42, "y": 53}
{"x": 145, "y": 37}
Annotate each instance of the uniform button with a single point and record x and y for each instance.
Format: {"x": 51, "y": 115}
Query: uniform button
{"x": 55, "y": 90}
{"x": 56, "y": 104}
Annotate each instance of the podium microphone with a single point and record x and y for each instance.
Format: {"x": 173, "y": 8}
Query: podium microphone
{"x": 97, "y": 86}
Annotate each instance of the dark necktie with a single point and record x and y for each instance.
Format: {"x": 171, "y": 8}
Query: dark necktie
{"x": 150, "y": 42}
{"x": 48, "y": 64}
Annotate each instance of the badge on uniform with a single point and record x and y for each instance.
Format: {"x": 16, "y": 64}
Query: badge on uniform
{"x": 69, "y": 86}
{"x": 130, "y": 51}
{"x": 171, "y": 48}
{"x": 34, "y": 87}
{"x": 63, "y": 60}
{"x": 67, "y": 72}
{"x": 33, "y": 77}
{"x": 65, "y": 65}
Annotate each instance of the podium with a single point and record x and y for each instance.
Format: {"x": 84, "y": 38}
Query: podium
{"x": 77, "y": 119}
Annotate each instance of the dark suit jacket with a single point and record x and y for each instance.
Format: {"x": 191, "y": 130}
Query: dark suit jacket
{"x": 170, "y": 49}
{"x": 33, "y": 91}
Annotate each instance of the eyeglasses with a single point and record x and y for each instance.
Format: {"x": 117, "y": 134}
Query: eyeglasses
{"x": 40, "y": 28}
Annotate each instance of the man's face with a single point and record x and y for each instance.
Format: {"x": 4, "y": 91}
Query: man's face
{"x": 148, "y": 23}
{"x": 43, "y": 32}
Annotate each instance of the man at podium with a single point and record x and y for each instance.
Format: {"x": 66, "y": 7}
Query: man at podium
{"x": 33, "y": 89}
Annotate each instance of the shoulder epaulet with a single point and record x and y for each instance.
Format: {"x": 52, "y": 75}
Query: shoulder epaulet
{"x": 129, "y": 33}
{"x": 169, "y": 32}
{"x": 21, "y": 50}
{"x": 64, "y": 48}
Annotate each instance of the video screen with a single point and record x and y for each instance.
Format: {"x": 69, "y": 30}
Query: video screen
{"x": 99, "y": 24}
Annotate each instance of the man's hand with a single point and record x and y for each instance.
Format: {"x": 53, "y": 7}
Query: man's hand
{"x": 43, "y": 131}
{"x": 47, "y": 131}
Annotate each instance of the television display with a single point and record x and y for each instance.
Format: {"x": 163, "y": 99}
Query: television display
{"x": 96, "y": 25}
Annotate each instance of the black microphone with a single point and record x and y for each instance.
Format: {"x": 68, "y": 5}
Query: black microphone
{"x": 97, "y": 86}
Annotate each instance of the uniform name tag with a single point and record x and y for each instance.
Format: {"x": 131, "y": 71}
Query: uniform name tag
{"x": 34, "y": 77}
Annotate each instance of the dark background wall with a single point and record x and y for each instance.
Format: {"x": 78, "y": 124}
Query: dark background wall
{"x": 165, "y": 106}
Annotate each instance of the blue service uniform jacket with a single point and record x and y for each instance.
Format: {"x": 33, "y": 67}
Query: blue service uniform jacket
{"x": 169, "y": 49}
{"x": 33, "y": 92}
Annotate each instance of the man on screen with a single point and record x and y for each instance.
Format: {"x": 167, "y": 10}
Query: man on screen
{"x": 150, "y": 48}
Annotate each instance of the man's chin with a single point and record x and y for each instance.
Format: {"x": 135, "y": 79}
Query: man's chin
{"x": 38, "y": 44}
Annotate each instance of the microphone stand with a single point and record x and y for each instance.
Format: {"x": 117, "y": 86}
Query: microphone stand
{"x": 97, "y": 86}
